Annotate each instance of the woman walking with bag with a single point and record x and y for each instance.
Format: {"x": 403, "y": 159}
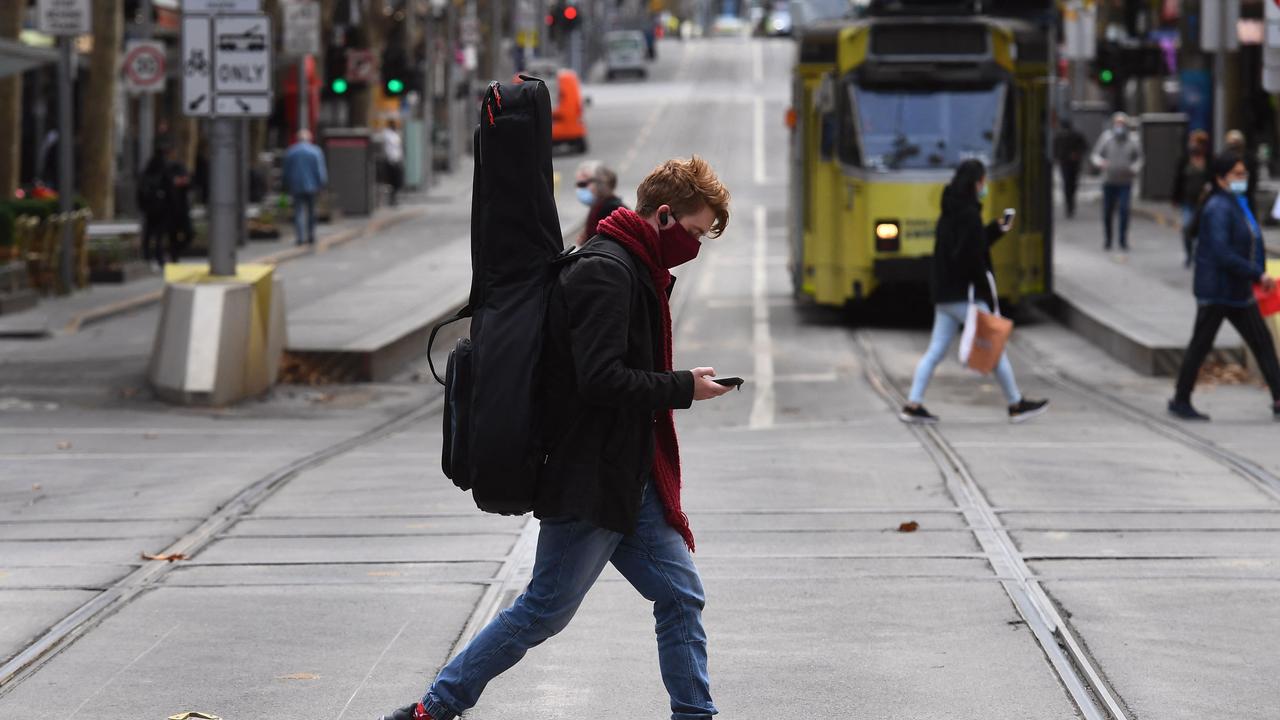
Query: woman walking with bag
{"x": 1230, "y": 259}
{"x": 961, "y": 260}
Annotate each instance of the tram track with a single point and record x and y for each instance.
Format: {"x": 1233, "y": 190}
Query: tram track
{"x": 120, "y": 594}
{"x": 1075, "y": 668}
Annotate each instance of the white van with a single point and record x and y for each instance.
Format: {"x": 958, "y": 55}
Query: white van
{"x": 624, "y": 54}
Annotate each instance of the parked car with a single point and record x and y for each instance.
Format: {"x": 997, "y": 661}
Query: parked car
{"x": 624, "y": 54}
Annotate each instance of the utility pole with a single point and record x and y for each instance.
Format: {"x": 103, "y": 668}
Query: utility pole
{"x": 66, "y": 166}
{"x": 225, "y": 217}
{"x": 428, "y": 98}
{"x": 146, "y": 101}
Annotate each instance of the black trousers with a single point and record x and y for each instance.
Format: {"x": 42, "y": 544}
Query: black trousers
{"x": 1070, "y": 182}
{"x": 1248, "y": 322}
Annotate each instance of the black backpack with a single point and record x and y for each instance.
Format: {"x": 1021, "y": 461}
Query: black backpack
{"x": 491, "y": 442}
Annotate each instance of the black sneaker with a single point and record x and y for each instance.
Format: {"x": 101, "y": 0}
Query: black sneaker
{"x": 1182, "y": 410}
{"x": 1025, "y": 409}
{"x": 917, "y": 415}
{"x": 409, "y": 712}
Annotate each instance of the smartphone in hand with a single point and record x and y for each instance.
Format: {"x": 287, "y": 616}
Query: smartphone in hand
{"x": 733, "y": 382}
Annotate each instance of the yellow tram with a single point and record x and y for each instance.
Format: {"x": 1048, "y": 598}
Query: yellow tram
{"x": 884, "y": 109}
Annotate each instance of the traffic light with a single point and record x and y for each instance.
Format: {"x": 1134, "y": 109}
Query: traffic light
{"x": 570, "y": 15}
{"x": 395, "y": 70}
{"x": 335, "y": 69}
{"x": 339, "y": 86}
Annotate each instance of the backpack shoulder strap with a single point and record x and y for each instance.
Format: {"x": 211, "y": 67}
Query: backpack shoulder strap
{"x": 465, "y": 312}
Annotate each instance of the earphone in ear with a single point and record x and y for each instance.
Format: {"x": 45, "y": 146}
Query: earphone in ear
{"x": 662, "y": 218}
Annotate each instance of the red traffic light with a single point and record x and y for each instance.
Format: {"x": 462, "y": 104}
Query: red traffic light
{"x": 571, "y": 13}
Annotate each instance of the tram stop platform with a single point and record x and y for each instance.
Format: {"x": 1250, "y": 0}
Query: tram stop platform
{"x": 1138, "y": 306}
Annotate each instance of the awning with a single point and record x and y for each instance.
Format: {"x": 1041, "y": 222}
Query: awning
{"x": 16, "y": 57}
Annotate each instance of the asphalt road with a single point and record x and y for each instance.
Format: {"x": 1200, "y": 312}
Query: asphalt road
{"x": 339, "y": 590}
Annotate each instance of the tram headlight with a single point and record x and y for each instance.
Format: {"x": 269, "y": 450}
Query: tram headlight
{"x": 888, "y": 236}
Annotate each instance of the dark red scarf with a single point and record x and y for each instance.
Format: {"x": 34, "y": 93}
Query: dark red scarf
{"x": 641, "y": 240}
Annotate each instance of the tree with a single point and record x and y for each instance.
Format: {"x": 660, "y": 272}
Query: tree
{"x": 10, "y": 105}
{"x": 98, "y": 148}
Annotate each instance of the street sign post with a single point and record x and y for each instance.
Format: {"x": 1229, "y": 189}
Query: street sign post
{"x": 301, "y": 27}
{"x": 1271, "y": 49}
{"x": 226, "y": 75}
{"x": 144, "y": 66}
{"x": 65, "y": 17}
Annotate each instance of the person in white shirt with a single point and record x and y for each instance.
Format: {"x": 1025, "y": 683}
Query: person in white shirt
{"x": 393, "y": 157}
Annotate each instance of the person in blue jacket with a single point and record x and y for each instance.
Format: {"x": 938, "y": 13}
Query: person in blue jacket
{"x": 1230, "y": 259}
{"x": 304, "y": 176}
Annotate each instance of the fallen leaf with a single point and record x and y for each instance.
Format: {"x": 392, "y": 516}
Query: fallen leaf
{"x": 299, "y": 676}
{"x": 35, "y": 487}
{"x": 167, "y": 558}
{"x": 64, "y": 444}
{"x": 909, "y": 526}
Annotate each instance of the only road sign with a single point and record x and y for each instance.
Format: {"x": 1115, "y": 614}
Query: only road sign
{"x": 242, "y": 54}
{"x": 144, "y": 66}
{"x": 243, "y": 106}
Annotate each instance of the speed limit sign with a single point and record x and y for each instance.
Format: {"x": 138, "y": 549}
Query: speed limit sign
{"x": 144, "y": 66}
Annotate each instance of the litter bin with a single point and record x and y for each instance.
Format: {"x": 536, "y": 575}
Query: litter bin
{"x": 1091, "y": 117}
{"x": 351, "y": 155}
{"x": 1162, "y": 141}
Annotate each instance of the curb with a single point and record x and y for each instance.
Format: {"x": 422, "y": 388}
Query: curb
{"x": 97, "y": 315}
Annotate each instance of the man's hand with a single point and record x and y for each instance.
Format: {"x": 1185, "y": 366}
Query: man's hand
{"x": 1267, "y": 282}
{"x": 704, "y": 386}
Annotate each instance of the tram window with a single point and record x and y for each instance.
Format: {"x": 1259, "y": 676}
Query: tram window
{"x": 923, "y": 128}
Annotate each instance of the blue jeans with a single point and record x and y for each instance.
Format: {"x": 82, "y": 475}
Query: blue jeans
{"x": 304, "y": 218}
{"x": 570, "y": 557}
{"x": 948, "y": 318}
{"x": 1116, "y": 197}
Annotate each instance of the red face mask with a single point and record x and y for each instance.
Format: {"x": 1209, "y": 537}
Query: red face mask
{"x": 678, "y": 245}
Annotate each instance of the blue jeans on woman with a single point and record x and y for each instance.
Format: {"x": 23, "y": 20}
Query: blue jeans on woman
{"x": 570, "y": 557}
{"x": 948, "y": 318}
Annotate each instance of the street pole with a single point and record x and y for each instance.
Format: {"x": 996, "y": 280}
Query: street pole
{"x": 146, "y": 102}
{"x": 495, "y": 40}
{"x": 66, "y": 145}
{"x": 428, "y": 100}
{"x": 304, "y": 99}
{"x": 1220, "y": 80}
{"x": 224, "y": 198}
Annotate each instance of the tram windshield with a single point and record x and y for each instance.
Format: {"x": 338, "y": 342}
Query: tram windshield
{"x": 921, "y": 129}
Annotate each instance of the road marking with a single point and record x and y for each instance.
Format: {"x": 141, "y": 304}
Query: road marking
{"x": 642, "y": 136}
{"x": 369, "y": 674}
{"x": 764, "y": 404}
{"x": 121, "y": 671}
{"x": 758, "y": 123}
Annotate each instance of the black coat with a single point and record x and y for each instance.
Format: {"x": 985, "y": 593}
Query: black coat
{"x": 602, "y": 384}
{"x": 962, "y": 249}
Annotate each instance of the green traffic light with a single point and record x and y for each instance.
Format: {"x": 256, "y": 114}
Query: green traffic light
{"x": 1106, "y": 76}
{"x": 395, "y": 86}
{"x": 339, "y": 86}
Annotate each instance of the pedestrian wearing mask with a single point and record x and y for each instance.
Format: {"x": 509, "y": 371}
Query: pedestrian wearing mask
{"x": 1230, "y": 259}
{"x": 1234, "y": 142}
{"x": 1190, "y": 186}
{"x": 1119, "y": 155}
{"x": 961, "y": 261}
{"x": 609, "y": 491}
{"x": 598, "y": 191}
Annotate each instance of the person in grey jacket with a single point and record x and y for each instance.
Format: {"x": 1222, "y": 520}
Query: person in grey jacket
{"x": 1119, "y": 155}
